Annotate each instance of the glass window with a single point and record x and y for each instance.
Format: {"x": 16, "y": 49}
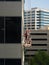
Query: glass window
{"x": 1, "y": 29}
{"x": 13, "y": 29}
{"x": 1, "y": 61}
{"x": 12, "y": 61}
{"x": 12, "y": 0}
{"x": 1, "y": 0}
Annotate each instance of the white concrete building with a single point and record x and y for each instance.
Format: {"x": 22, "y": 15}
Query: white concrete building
{"x": 36, "y": 18}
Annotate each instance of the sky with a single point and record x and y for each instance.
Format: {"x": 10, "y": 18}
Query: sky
{"x": 44, "y": 4}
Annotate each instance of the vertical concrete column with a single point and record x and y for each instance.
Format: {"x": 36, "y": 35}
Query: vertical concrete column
{"x": 22, "y": 31}
{"x": 35, "y": 20}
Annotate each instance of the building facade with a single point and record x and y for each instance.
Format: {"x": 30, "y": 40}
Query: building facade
{"x": 36, "y": 18}
{"x": 10, "y": 32}
{"x": 40, "y": 41}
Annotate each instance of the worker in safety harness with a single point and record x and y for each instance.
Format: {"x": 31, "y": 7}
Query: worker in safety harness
{"x": 27, "y": 36}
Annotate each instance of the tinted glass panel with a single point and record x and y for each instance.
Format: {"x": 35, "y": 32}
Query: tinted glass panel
{"x": 1, "y": 61}
{"x": 36, "y": 50}
{"x": 1, "y": 0}
{"x": 38, "y": 33}
{"x": 13, "y": 29}
{"x": 13, "y": 62}
{"x": 39, "y": 44}
{"x": 12, "y": 0}
{"x": 40, "y": 39}
{"x": 1, "y": 29}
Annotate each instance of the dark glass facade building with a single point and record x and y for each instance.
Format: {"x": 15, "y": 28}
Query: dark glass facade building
{"x": 10, "y": 32}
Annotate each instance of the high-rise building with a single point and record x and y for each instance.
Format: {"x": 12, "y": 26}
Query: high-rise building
{"x": 36, "y": 18}
{"x": 10, "y": 32}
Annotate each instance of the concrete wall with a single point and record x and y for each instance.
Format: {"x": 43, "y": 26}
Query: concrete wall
{"x": 40, "y": 41}
{"x": 10, "y": 8}
{"x": 10, "y": 51}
